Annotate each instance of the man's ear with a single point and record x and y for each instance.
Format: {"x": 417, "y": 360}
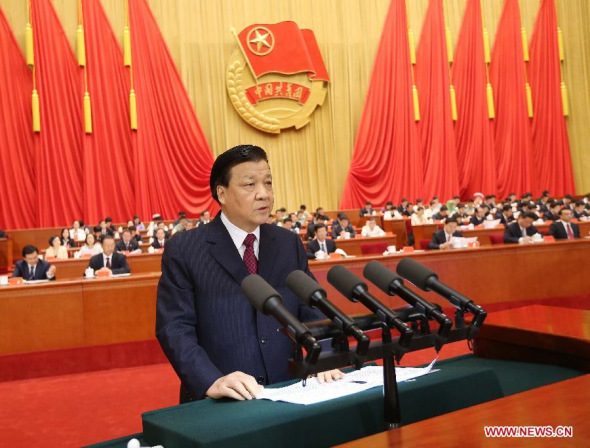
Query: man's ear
{"x": 221, "y": 194}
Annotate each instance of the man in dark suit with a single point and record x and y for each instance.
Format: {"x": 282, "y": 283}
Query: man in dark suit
{"x": 564, "y": 229}
{"x": 368, "y": 210}
{"x": 580, "y": 210}
{"x": 479, "y": 217}
{"x": 105, "y": 229}
{"x": 505, "y": 216}
{"x": 135, "y": 235}
{"x": 217, "y": 342}
{"x": 320, "y": 242}
{"x": 127, "y": 242}
{"x": 442, "y": 238}
{"x": 442, "y": 215}
{"x": 160, "y": 239}
{"x": 521, "y": 231}
{"x": 342, "y": 227}
{"x": 553, "y": 213}
{"x": 31, "y": 267}
{"x": 109, "y": 261}
{"x": 2, "y": 234}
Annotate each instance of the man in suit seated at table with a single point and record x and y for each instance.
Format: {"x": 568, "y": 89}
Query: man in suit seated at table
{"x": 442, "y": 238}
{"x": 368, "y": 210}
{"x": 105, "y": 229}
{"x": 443, "y": 213}
{"x": 135, "y": 234}
{"x": 480, "y": 216}
{"x": 128, "y": 243}
{"x": 371, "y": 229}
{"x": 580, "y": 210}
{"x": 564, "y": 229}
{"x": 160, "y": 239}
{"x": 31, "y": 267}
{"x": 109, "y": 261}
{"x": 521, "y": 231}
{"x": 343, "y": 229}
{"x": 320, "y": 242}
{"x": 553, "y": 213}
{"x": 505, "y": 215}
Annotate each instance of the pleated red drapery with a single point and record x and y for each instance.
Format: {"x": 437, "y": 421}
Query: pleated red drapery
{"x": 437, "y": 136}
{"x": 172, "y": 154}
{"x": 473, "y": 130}
{"x": 108, "y": 151}
{"x": 513, "y": 141}
{"x": 17, "y": 172}
{"x": 387, "y": 163}
{"x": 553, "y": 163}
{"x": 58, "y": 148}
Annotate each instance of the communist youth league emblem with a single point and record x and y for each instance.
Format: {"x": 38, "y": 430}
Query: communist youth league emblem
{"x": 276, "y": 77}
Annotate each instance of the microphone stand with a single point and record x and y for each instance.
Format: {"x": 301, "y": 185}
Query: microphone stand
{"x": 391, "y": 409}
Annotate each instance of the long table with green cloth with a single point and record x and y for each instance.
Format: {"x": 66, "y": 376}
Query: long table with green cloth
{"x": 461, "y": 382}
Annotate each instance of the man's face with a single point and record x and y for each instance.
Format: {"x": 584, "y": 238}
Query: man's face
{"x": 566, "y": 215}
{"x": 108, "y": 246}
{"x": 481, "y": 212}
{"x": 32, "y": 259}
{"x": 443, "y": 213}
{"x": 344, "y": 223}
{"x": 450, "y": 227}
{"x": 103, "y": 225}
{"x": 525, "y": 223}
{"x": 288, "y": 224}
{"x": 206, "y": 216}
{"x": 509, "y": 212}
{"x": 76, "y": 225}
{"x": 248, "y": 199}
{"x": 371, "y": 224}
{"x": 160, "y": 234}
{"x": 321, "y": 234}
{"x": 126, "y": 236}
{"x": 580, "y": 208}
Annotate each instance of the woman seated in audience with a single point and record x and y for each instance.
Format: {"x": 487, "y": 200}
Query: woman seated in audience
{"x": 77, "y": 233}
{"x": 137, "y": 223}
{"x": 91, "y": 247}
{"x": 56, "y": 250}
{"x": 66, "y": 240}
{"x": 420, "y": 218}
{"x": 391, "y": 212}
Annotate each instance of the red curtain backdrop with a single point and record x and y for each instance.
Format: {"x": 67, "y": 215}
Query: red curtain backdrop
{"x": 473, "y": 130}
{"x": 58, "y": 151}
{"x": 553, "y": 163}
{"x": 17, "y": 172}
{"x": 387, "y": 163}
{"x": 513, "y": 140}
{"x": 108, "y": 151}
{"x": 172, "y": 155}
{"x": 437, "y": 136}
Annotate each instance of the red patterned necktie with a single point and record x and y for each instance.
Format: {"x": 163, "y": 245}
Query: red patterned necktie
{"x": 249, "y": 258}
{"x": 570, "y": 235}
{"x": 109, "y": 262}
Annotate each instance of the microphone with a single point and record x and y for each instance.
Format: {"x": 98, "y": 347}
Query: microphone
{"x": 427, "y": 280}
{"x": 269, "y": 302}
{"x": 312, "y": 294}
{"x": 355, "y": 290}
{"x": 391, "y": 283}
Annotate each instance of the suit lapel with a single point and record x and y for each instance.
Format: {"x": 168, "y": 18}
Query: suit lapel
{"x": 267, "y": 252}
{"x": 224, "y": 251}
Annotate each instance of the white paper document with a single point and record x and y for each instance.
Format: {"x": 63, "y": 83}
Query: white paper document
{"x": 457, "y": 242}
{"x": 352, "y": 383}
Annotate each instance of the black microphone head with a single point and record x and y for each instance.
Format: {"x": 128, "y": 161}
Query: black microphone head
{"x": 382, "y": 277}
{"x": 415, "y": 272}
{"x": 258, "y": 291}
{"x": 344, "y": 281}
{"x": 304, "y": 286}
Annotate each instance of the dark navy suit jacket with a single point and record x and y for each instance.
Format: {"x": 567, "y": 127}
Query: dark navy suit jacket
{"x": 204, "y": 324}
{"x": 557, "y": 230}
{"x": 512, "y": 232}
{"x": 21, "y": 269}
{"x": 439, "y": 238}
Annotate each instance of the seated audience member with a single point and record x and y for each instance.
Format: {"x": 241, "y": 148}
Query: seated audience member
{"x": 303, "y": 210}
{"x": 109, "y": 261}
{"x": 580, "y": 210}
{"x": 318, "y": 212}
{"x": 289, "y": 225}
{"x": 478, "y": 200}
{"x": 451, "y": 207}
{"x": 543, "y": 202}
{"x": 479, "y": 217}
{"x": 553, "y": 213}
{"x": 162, "y": 225}
{"x": 470, "y": 207}
{"x": 461, "y": 215}
{"x": 419, "y": 203}
{"x": 105, "y": 229}
{"x": 160, "y": 239}
{"x": 522, "y": 230}
{"x": 371, "y": 229}
{"x": 442, "y": 214}
{"x": 135, "y": 234}
{"x": 137, "y": 223}
{"x": 205, "y": 218}
{"x": 181, "y": 215}
{"x": 31, "y": 267}
{"x": 320, "y": 242}
{"x": 65, "y": 239}
{"x": 564, "y": 229}
{"x": 391, "y": 212}
{"x": 280, "y": 216}
{"x": 301, "y": 218}
{"x": 311, "y": 226}
{"x": 505, "y": 215}
{"x": 109, "y": 222}
{"x": 190, "y": 225}
{"x": 343, "y": 229}
{"x": 55, "y": 249}
{"x": 128, "y": 243}
{"x": 568, "y": 201}
{"x": 181, "y": 226}
{"x": 296, "y": 223}
{"x": 442, "y": 238}
{"x": 77, "y": 233}
{"x": 409, "y": 210}
{"x": 490, "y": 202}
{"x": 512, "y": 198}
{"x": 97, "y": 233}
{"x": 368, "y": 209}
{"x": 2, "y": 234}
{"x": 403, "y": 207}
{"x": 91, "y": 246}
{"x": 419, "y": 218}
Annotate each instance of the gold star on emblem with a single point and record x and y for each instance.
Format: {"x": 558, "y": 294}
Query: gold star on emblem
{"x": 260, "y": 40}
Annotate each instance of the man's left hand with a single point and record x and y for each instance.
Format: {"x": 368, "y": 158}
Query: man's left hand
{"x": 330, "y": 376}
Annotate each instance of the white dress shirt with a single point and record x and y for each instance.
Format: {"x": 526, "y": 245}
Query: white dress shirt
{"x": 377, "y": 231}
{"x": 238, "y": 236}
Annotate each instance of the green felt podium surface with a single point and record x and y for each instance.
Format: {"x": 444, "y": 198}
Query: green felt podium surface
{"x": 461, "y": 382}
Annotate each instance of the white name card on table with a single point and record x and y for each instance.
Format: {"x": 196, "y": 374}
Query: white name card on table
{"x": 491, "y": 223}
{"x": 359, "y": 380}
